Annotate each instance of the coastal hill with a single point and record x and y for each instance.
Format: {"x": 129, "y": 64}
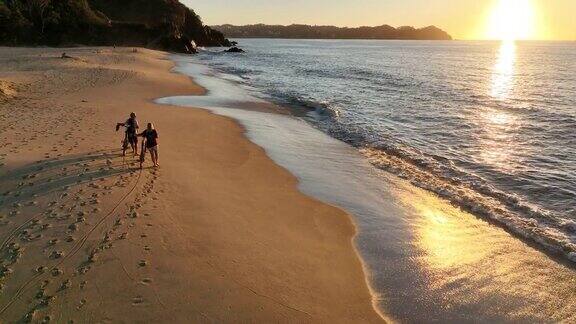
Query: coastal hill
{"x": 332, "y": 32}
{"x": 156, "y": 24}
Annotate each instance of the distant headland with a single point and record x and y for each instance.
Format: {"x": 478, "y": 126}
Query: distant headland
{"x": 332, "y": 32}
{"x": 157, "y": 24}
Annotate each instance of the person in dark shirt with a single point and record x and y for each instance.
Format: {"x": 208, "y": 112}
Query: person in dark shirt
{"x": 130, "y": 137}
{"x": 150, "y": 136}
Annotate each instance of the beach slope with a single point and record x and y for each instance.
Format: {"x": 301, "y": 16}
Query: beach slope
{"x": 218, "y": 234}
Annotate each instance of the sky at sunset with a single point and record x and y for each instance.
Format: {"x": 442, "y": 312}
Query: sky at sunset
{"x": 463, "y": 19}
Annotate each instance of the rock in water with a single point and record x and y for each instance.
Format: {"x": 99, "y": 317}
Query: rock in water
{"x": 234, "y": 49}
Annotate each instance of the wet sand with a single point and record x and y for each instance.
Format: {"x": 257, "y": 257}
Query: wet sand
{"x": 218, "y": 234}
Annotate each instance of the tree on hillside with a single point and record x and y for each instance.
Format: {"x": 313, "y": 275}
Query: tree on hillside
{"x": 159, "y": 24}
{"x": 34, "y": 11}
{"x": 39, "y": 7}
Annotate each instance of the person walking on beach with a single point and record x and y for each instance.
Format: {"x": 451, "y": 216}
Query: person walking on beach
{"x": 130, "y": 137}
{"x": 150, "y": 136}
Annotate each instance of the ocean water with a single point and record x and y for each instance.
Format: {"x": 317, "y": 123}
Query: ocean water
{"x": 489, "y": 126}
{"x": 425, "y": 258}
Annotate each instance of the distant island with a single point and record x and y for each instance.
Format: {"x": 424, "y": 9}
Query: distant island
{"x": 157, "y": 24}
{"x": 332, "y": 32}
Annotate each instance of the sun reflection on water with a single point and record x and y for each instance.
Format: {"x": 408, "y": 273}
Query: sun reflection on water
{"x": 499, "y": 118}
{"x": 503, "y": 73}
{"x": 473, "y": 264}
{"x": 498, "y": 124}
{"x": 497, "y": 142}
{"x": 444, "y": 232}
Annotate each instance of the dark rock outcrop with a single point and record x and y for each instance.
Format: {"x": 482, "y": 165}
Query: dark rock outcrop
{"x": 234, "y": 49}
{"x": 157, "y": 24}
{"x": 332, "y": 32}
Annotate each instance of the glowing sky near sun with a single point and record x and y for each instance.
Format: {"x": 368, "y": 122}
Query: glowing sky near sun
{"x": 464, "y": 19}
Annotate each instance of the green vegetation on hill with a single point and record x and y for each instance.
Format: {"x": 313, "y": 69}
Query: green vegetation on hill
{"x": 159, "y": 24}
{"x": 332, "y": 32}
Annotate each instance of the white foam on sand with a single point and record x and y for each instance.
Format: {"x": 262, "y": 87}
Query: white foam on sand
{"x": 392, "y": 231}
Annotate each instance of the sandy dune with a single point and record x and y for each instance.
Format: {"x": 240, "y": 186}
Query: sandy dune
{"x": 218, "y": 234}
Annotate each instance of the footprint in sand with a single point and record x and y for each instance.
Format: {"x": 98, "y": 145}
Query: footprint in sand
{"x": 29, "y": 317}
{"x": 14, "y": 252}
{"x": 66, "y": 284}
{"x": 41, "y": 269}
{"x": 32, "y": 237}
{"x": 41, "y": 293}
{"x": 137, "y": 300}
{"x": 82, "y": 303}
{"x": 56, "y": 254}
{"x": 93, "y": 257}
{"x": 48, "y": 300}
{"x": 83, "y": 270}
{"x": 5, "y": 271}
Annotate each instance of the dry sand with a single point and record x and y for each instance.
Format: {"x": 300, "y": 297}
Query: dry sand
{"x": 218, "y": 234}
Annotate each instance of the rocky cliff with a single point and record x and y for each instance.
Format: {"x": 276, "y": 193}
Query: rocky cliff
{"x": 157, "y": 24}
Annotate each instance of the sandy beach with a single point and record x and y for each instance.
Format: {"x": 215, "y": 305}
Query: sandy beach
{"x": 218, "y": 234}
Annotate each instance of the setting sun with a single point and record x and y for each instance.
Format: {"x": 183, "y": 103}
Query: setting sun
{"x": 511, "y": 20}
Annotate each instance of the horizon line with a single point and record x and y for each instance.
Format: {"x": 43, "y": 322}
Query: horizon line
{"x": 396, "y": 27}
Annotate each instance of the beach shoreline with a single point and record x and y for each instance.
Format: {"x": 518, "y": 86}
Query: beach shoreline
{"x": 417, "y": 247}
{"x": 216, "y": 234}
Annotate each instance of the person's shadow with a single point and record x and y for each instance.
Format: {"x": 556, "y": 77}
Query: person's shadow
{"x": 42, "y": 178}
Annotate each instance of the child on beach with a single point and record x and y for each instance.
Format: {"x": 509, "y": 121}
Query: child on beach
{"x": 151, "y": 138}
{"x": 130, "y": 137}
